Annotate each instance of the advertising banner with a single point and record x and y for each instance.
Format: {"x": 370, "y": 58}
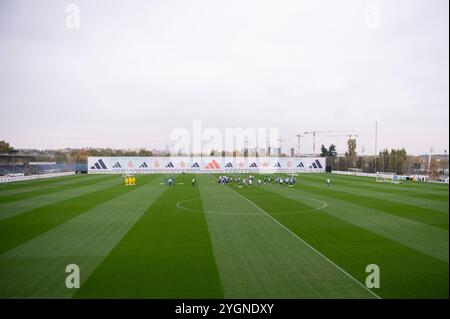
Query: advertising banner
{"x": 180, "y": 164}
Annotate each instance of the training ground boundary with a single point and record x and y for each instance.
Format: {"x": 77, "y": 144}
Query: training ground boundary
{"x": 8, "y": 179}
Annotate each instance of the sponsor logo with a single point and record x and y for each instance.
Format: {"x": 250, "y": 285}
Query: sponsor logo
{"x": 143, "y": 165}
{"x": 117, "y": 165}
{"x": 195, "y": 165}
{"x": 316, "y": 164}
{"x": 170, "y": 165}
{"x": 212, "y": 165}
{"x": 99, "y": 165}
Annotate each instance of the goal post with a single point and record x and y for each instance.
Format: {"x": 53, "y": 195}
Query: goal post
{"x": 387, "y": 177}
{"x": 355, "y": 171}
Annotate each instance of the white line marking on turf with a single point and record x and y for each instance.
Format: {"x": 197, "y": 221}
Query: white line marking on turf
{"x": 180, "y": 206}
{"x": 302, "y": 240}
{"x": 211, "y": 212}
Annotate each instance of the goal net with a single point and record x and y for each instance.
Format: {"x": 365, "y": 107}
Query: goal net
{"x": 387, "y": 177}
{"x": 355, "y": 171}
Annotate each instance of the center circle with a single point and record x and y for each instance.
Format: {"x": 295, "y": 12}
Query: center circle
{"x": 182, "y": 205}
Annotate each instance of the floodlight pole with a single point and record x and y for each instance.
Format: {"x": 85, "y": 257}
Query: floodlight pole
{"x": 314, "y": 143}
{"x": 376, "y": 151}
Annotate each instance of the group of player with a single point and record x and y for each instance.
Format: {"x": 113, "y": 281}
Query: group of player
{"x": 237, "y": 181}
{"x": 250, "y": 180}
{"x": 129, "y": 180}
{"x": 244, "y": 181}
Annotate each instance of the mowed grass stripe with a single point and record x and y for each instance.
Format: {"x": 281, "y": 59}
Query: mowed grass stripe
{"x": 400, "y": 207}
{"x": 34, "y": 182}
{"x": 10, "y": 209}
{"x": 21, "y": 228}
{"x": 380, "y": 189}
{"x": 167, "y": 254}
{"x": 36, "y": 269}
{"x": 429, "y": 240}
{"x": 405, "y": 273}
{"x": 423, "y": 203}
{"x": 54, "y": 187}
{"x": 74, "y": 179}
{"x": 258, "y": 258}
{"x": 412, "y": 186}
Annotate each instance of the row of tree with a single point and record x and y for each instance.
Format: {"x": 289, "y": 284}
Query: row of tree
{"x": 72, "y": 155}
{"x": 393, "y": 160}
{"x": 81, "y": 155}
{"x": 330, "y": 151}
{"x": 5, "y": 148}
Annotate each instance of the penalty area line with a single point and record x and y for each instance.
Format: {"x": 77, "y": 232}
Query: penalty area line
{"x": 307, "y": 244}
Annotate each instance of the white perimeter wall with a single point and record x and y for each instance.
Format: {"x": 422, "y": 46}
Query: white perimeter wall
{"x": 149, "y": 165}
{"x": 402, "y": 177}
{"x": 7, "y": 179}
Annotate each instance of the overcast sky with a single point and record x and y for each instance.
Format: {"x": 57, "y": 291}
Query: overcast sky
{"x": 135, "y": 70}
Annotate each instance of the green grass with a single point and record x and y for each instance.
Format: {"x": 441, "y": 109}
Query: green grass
{"x": 167, "y": 254}
{"x": 216, "y": 241}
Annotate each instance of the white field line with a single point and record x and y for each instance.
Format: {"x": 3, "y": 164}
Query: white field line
{"x": 180, "y": 206}
{"x": 302, "y": 240}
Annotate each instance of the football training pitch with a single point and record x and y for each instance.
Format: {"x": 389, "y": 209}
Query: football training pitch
{"x": 223, "y": 241}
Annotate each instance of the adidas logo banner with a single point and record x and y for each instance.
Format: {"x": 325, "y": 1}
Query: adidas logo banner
{"x": 318, "y": 164}
{"x": 212, "y": 165}
{"x": 99, "y": 165}
{"x": 117, "y": 165}
{"x": 169, "y": 165}
{"x": 206, "y": 164}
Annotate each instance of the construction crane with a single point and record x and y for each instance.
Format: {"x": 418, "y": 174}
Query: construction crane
{"x": 314, "y": 133}
{"x": 342, "y": 135}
